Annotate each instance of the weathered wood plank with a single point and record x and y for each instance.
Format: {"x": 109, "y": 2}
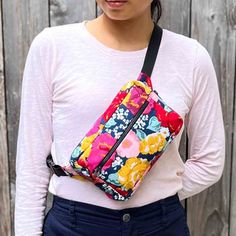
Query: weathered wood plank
{"x": 232, "y": 219}
{"x": 232, "y": 175}
{"x": 208, "y": 212}
{"x": 176, "y": 16}
{"x": 5, "y": 217}
{"x": 22, "y": 21}
{"x": 71, "y": 11}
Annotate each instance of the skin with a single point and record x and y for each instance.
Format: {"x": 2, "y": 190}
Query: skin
{"x": 128, "y": 28}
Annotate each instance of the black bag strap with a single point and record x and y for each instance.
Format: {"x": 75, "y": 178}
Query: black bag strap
{"x": 152, "y": 50}
{"x": 149, "y": 61}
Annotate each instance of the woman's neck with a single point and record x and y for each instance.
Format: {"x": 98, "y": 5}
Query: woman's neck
{"x": 126, "y": 35}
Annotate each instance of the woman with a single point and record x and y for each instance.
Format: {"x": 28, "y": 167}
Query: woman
{"x": 72, "y": 73}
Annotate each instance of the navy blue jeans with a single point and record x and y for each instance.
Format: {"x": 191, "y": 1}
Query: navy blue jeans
{"x": 165, "y": 217}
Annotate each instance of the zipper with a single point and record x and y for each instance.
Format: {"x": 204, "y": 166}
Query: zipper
{"x": 97, "y": 170}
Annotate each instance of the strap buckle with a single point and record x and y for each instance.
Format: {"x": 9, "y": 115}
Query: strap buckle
{"x": 56, "y": 169}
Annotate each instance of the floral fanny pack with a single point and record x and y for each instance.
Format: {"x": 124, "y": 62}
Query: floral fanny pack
{"x": 128, "y": 138}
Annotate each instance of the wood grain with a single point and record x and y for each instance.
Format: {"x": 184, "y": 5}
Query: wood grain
{"x": 71, "y": 11}
{"x": 176, "y": 16}
{"x": 5, "y": 214}
{"x": 209, "y": 211}
{"x": 232, "y": 175}
{"x": 22, "y": 21}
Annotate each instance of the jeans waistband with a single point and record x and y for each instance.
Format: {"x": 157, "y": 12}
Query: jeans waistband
{"x": 80, "y": 206}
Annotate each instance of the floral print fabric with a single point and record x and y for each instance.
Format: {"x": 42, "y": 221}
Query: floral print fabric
{"x": 138, "y": 146}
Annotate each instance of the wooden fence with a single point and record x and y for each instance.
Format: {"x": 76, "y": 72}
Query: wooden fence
{"x": 213, "y": 23}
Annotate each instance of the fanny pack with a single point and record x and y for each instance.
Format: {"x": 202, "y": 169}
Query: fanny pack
{"x": 128, "y": 138}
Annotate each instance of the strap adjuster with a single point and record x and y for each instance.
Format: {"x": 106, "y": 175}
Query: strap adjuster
{"x": 56, "y": 169}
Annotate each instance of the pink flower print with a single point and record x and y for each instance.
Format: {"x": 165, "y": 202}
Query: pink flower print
{"x": 136, "y": 99}
{"x": 149, "y": 107}
{"x": 95, "y": 127}
{"x": 129, "y": 147}
{"x": 101, "y": 146}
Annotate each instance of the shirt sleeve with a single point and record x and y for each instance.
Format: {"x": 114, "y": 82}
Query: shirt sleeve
{"x": 205, "y": 129}
{"x": 34, "y": 137}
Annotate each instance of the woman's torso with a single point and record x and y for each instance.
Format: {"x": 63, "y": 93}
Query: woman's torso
{"x": 86, "y": 77}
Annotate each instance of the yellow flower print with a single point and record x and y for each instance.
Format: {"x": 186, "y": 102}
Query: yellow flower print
{"x": 86, "y": 145}
{"x": 152, "y": 143}
{"x": 78, "y": 177}
{"x": 127, "y": 85}
{"x": 136, "y": 83}
{"x": 132, "y": 171}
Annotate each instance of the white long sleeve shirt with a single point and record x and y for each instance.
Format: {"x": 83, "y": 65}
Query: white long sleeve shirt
{"x": 70, "y": 78}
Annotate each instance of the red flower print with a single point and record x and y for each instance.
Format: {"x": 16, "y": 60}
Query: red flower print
{"x": 175, "y": 122}
{"x": 114, "y": 104}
